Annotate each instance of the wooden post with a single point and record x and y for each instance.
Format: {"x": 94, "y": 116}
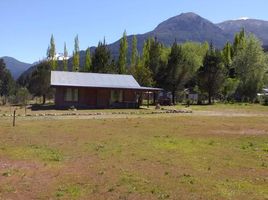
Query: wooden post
{"x": 14, "y": 118}
{"x": 148, "y": 99}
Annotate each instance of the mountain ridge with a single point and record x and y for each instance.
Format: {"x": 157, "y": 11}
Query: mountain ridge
{"x": 15, "y": 66}
{"x": 190, "y": 26}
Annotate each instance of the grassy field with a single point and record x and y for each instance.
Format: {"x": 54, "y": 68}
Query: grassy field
{"x": 165, "y": 156}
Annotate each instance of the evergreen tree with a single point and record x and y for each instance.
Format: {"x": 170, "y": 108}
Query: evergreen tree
{"x": 175, "y": 71}
{"x": 134, "y": 51}
{"x": 88, "y": 61}
{"x": 212, "y": 74}
{"x": 39, "y": 83}
{"x": 7, "y": 83}
{"x": 101, "y": 58}
{"x": 51, "y": 54}
{"x": 65, "y": 58}
{"x": 122, "y": 61}
{"x": 76, "y": 57}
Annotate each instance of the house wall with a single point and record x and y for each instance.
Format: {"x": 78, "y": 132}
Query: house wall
{"x": 92, "y": 97}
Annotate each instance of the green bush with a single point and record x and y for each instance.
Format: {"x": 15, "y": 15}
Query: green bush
{"x": 264, "y": 99}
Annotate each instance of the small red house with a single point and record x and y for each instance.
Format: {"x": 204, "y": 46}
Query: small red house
{"x": 95, "y": 90}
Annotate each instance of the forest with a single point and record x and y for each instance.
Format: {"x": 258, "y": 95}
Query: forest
{"x": 235, "y": 73}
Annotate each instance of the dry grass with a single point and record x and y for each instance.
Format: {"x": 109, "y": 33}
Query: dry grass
{"x": 146, "y": 157}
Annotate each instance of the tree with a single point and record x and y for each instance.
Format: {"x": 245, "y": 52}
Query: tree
{"x": 88, "y": 63}
{"x": 175, "y": 71}
{"x": 134, "y": 52}
{"x": 39, "y": 83}
{"x": 23, "y": 96}
{"x": 7, "y": 84}
{"x": 65, "y": 58}
{"x": 227, "y": 59}
{"x": 229, "y": 88}
{"x": 76, "y": 57}
{"x": 154, "y": 56}
{"x": 142, "y": 74}
{"x": 101, "y": 59}
{"x": 145, "y": 53}
{"x": 122, "y": 61}
{"x": 183, "y": 62}
{"x": 212, "y": 74}
{"x": 239, "y": 42}
{"x": 250, "y": 65}
{"x": 51, "y": 54}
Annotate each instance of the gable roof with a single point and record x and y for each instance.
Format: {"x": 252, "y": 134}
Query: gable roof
{"x": 95, "y": 80}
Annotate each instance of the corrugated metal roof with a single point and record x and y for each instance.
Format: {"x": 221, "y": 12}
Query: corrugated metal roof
{"x": 80, "y": 79}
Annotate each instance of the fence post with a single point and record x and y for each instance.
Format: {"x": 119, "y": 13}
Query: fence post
{"x": 14, "y": 118}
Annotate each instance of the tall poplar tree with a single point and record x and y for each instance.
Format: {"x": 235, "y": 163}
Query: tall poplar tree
{"x": 122, "y": 61}
{"x": 134, "y": 52}
{"x": 51, "y": 54}
{"x": 65, "y": 58}
{"x": 76, "y": 56}
{"x": 88, "y": 63}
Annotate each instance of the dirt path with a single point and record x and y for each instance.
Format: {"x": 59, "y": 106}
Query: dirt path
{"x": 123, "y": 115}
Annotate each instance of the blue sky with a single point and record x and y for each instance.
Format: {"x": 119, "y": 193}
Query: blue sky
{"x": 26, "y": 25}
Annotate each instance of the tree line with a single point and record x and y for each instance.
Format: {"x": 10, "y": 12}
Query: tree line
{"x": 236, "y": 72}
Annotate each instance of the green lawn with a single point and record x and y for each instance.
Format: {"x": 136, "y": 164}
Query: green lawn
{"x": 165, "y": 156}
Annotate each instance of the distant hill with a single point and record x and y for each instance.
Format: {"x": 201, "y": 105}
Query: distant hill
{"x": 258, "y": 27}
{"x": 15, "y": 67}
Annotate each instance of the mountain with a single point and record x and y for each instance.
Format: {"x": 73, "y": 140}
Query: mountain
{"x": 184, "y": 27}
{"x": 258, "y": 27}
{"x": 15, "y": 67}
{"x": 190, "y": 27}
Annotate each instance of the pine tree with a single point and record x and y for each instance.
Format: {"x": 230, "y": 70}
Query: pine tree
{"x": 122, "y": 61}
{"x": 51, "y": 54}
{"x": 134, "y": 53}
{"x": 7, "y": 84}
{"x": 212, "y": 74}
{"x": 87, "y": 61}
{"x": 65, "y": 58}
{"x": 76, "y": 56}
{"x": 101, "y": 59}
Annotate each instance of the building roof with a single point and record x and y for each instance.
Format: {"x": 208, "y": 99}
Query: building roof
{"x": 96, "y": 80}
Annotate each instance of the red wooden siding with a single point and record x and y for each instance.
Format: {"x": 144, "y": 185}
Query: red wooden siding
{"x": 92, "y": 97}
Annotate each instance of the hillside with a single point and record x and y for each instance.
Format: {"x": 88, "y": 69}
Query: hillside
{"x": 258, "y": 27}
{"x": 15, "y": 67}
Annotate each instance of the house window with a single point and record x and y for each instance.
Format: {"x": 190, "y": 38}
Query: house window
{"x": 71, "y": 94}
{"x": 116, "y": 96}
